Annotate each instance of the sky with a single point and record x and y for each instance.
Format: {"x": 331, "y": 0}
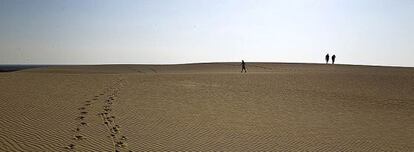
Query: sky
{"x": 368, "y": 32}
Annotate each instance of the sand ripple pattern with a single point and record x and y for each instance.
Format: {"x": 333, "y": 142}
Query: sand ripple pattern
{"x": 208, "y": 107}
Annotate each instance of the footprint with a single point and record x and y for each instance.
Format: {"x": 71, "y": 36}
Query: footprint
{"x": 79, "y": 137}
{"x": 80, "y": 118}
{"x": 115, "y": 131}
{"x": 124, "y": 138}
{"x": 120, "y": 144}
{"x": 76, "y": 130}
{"x": 70, "y": 147}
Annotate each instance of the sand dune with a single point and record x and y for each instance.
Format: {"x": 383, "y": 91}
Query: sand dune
{"x": 208, "y": 107}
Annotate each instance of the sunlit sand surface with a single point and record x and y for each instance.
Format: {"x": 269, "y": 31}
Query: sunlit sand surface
{"x": 208, "y": 107}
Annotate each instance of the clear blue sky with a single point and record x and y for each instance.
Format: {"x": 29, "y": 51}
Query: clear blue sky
{"x": 374, "y": 32}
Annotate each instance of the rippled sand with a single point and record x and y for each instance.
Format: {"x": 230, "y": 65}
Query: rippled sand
{"x": 208, "y": 107}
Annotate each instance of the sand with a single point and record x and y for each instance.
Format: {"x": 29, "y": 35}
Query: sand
{"x": 208, "y": 107}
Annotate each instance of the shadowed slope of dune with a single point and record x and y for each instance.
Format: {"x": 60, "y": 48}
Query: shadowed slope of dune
{"x": 208, "y": 107}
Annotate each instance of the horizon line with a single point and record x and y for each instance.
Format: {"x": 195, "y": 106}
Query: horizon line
{"x": 217, "y": 62}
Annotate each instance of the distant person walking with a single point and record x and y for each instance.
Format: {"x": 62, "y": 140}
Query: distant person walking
{"x": 327, "y": 58}
{"x": 333, "y": 59}
{"x": 243, "y": 64}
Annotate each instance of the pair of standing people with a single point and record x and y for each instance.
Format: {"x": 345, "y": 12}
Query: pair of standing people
{"x": 327, "y": 58}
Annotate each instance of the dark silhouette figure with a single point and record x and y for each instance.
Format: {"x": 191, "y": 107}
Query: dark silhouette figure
{"x": 333, "y": 59}
{"x": 327, "y": 58}
{"x": 243, "y": 64}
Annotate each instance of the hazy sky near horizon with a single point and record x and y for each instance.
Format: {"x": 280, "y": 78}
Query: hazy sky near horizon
{"x": 374, "y": 32}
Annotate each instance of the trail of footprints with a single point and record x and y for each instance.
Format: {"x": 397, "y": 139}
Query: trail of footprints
{"x": 109, "y": 97}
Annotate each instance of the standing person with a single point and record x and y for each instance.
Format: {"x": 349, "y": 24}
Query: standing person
{"x": 243, "y": 67}
{"x": 333, "y": 59}
{"x": 327, "y": 58}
